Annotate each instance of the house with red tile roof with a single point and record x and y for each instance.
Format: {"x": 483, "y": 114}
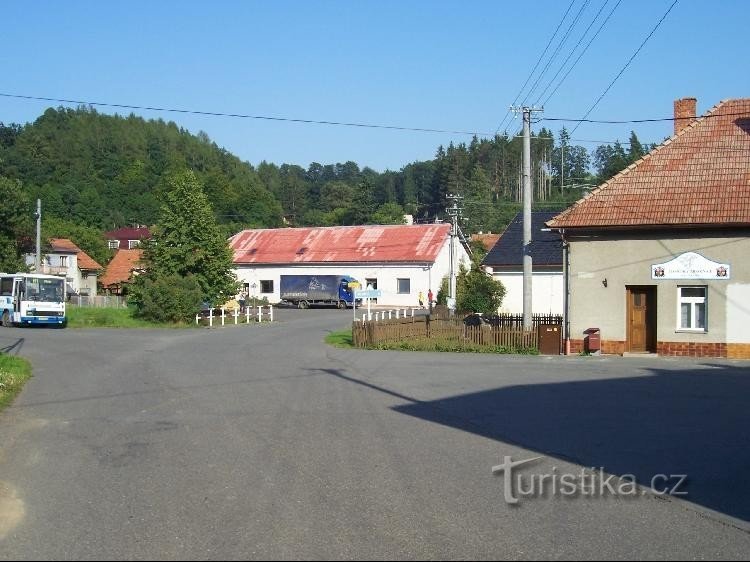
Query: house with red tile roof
{"x": 127, "y": 238}
{"x": 398, "y": 260}
{"x": 657, "y": 257}
{"x": 62, "y": 257}
{"x": 121, "y": 270}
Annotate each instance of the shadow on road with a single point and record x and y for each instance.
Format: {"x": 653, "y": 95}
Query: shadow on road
{"x": 694, "y": 422}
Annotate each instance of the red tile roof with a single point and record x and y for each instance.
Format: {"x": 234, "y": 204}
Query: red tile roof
{"x": 701, "y": 176}
{"x": 120, "y": 269}
{"x": 342, "y": 244}
{"x": 487, "y": 240}
{"x": 85, "y": 262}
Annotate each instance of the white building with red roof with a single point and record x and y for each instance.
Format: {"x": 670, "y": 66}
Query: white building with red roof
{"x": 62, "y": 257}
{"x": 658, "y": 255}
{"x": 398, "y": 260}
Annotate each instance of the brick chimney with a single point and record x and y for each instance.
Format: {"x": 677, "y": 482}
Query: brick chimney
{"x": 684, "y": 113}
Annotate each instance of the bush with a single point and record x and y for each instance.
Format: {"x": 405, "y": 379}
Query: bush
{"x": 171, "y": 298}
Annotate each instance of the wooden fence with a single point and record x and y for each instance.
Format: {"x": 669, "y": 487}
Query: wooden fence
{"x": 440, "y": 330}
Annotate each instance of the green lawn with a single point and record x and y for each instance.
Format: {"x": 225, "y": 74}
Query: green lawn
{"x": 342, "y": 338}
{"x": 86, "y": 317}
{"x": 14, "y": 372}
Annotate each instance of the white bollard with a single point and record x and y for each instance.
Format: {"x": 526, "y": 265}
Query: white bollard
{"x": 390, "y": 314}
{"x": 260, "y": 314}
{"x": 270, "y": 312}
{"x": 197, "y": 319}
{"x": 210, "y": 317}
{"x": 247, "y": 315}
{"x": 397, "y": 313}
{"x": 412, "y": 313}
{"x": 236, "y": 315}
{"x": 223, "y": 314}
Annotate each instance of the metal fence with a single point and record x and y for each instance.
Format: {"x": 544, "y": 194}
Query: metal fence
{"x": 105, "y": 301}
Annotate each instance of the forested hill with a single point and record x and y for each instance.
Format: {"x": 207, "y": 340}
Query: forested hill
{"x": 102, "y": 171}
{"x": 107, "y": 171}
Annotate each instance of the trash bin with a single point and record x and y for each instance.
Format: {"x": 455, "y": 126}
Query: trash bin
{"x": 593, "y": 341}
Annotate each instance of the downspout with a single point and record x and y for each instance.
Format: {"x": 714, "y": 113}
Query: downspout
{"x": 566, "y": 291}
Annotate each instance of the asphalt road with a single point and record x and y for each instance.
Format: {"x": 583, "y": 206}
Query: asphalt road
{"x": 262, "y": 442}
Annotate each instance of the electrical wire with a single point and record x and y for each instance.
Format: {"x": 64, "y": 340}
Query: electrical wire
{"x": 627, "y": 64}
{"x": 586, "y": 48}
{"x": 518, "y": 95}
{"x": 245, "y": 116}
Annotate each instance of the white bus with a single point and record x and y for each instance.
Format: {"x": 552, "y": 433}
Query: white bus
{"x": 28, "y": 298}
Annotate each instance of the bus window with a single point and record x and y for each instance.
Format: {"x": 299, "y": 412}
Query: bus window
{"x": 6, "y": 286}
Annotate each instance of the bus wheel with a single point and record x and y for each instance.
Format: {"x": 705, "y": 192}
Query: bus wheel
{"x": 303, "y": 304}
{"x": 6, "y": 320}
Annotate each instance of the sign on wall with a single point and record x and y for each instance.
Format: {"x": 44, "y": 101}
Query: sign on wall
{"x": 691, "y": 265}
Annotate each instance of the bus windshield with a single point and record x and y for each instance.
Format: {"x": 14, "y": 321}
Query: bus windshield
{"x": 44, "y": 290}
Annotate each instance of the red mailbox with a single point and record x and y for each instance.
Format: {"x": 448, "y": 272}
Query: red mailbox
{"x": 593, "y": 340}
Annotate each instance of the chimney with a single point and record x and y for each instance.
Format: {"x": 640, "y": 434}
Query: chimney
{"x": 684, "y": 113}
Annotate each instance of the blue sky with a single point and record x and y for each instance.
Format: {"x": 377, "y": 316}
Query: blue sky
{"x": 438, "y": 65}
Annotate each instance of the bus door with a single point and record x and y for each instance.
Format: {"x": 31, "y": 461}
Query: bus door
{"x": 19, "y": 287}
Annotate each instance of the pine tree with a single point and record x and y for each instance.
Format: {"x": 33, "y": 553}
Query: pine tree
{"x": 187, "y": 242}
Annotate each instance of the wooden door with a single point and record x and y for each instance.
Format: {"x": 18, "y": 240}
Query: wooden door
{"x": 641, "y": 319}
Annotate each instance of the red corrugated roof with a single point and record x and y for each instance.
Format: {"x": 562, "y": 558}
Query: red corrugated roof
{"x": 121, "y": 267}
{"x": 84, "y": 260}
{"x": 701, "y": 176}
{"x": 342, "y": 244}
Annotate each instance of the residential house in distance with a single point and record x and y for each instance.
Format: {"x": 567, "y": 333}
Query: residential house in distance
{"x": 62, "y": 257}
{"x": 486, "y": 239}
{"x": 121, "y": 270}
{"x": 505, "y": 262}
{"x": 399, "y": 260}
{"x": 658, "y": 255}
{"x": 127, "y": 238}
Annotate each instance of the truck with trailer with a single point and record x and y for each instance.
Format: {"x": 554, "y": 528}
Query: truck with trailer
{"x": 305, "y": 290}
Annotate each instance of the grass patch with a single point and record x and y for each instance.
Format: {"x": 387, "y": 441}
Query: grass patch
{"x": 342, "y": 338}
{"x": 88, "y": 317}
{"x": 14, "y": 372}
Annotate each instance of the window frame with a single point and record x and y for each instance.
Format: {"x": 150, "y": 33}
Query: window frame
{"x": 693, "y": 302}
{"x": 398, "y": 285}
{"x": 263, "y": 284}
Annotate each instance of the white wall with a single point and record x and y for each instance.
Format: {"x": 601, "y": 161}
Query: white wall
{"x": 423, "y": 277}
{"x": 546, "y": 292}
{"x": 738, "y": 313}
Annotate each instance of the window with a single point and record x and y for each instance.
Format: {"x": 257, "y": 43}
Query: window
{"x": 403, "y": 286}
{"x": 63, "y": 261}
{"x": 114, "y": 244}
{"x": 6, "y": 286}
{"x": 692, "y": 311}
{"x": 266, "y": 287}
{"x": 133, "y": 244}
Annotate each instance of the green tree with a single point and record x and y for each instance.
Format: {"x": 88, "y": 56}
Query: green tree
{"x": 15, "y": 222}
{"x": 187, "y": 242}
{"x": 478, "y": 292}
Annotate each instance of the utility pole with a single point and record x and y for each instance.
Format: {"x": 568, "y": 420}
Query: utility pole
{"x": 527, "y": 191}
{"x": 38, "y": 216}
{"x": 562, "y": 166}
{"x": 454, "y": 212}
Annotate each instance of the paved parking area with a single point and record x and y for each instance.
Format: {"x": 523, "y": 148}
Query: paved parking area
{"x": 261, "y": 442}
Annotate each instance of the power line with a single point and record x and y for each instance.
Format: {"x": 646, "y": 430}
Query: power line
{"x": 245, "y": 116}
{"x": 586, "y": 48}
{"x": 627, "y": 64}
{"x": 557, "y": 49}
{"x": 559, "y": 25}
